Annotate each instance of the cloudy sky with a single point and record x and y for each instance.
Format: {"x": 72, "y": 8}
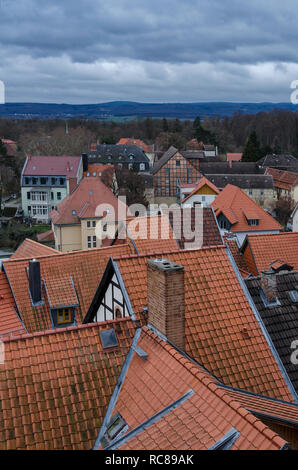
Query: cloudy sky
{"x": 91, "y": 51}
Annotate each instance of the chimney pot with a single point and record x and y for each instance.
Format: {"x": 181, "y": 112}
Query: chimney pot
{"x": 166, "y": 299}
{"x": 35, "y": 281}
{"x": 268, "y": 285}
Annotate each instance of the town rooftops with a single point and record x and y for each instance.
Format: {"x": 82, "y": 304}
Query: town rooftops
{"x": 230, "y": 168}
{"x": 137, "y": 142}
{"x": 283, "y": 179}
{"x": 117, "y": 152}
{"x": 222, "y": 331}
{"x": 263, "y": 249}
{"x": 64, "y": 165}
{"x": 85, "y": 201}
{"x": 285, "y": 162}
{"x": 280, "y": 319}
{"x": 164, "y": 159}
{"x": 238, "y": 207}
{"x": 31, "y": 249}
{"x": 242, "y": 181}
{"x": 82, "y": 269}
{"x": 167, "y": 401}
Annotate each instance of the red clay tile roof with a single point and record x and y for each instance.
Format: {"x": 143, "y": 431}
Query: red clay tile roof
{"x": 234, "y": 203}
{"x": 64, "y": 165}
{"x": 61, "y": 292}
{"x": 46, "y": 236}
{"x": 86, "y": 268}
{"x": 102, "y": 171}
{"x": 234, "y": 157}
{"x": 137, "y": 142}
{"x": 55, "y": 386}
{"x": 283, "y": 179}
{"x": 267, "y": 248}
{"x": 154, "y": 234}
{"x": 238, "y": 257}
{"x": 216, "y": 311}
{"x": 202, "y": 182}
{"x": 84, "y": 200}
{"x": 10, "y": 323}
{"x": 261, "y": 405}
{"x": 198, "y": 423}
{"x": 31, "y": 249}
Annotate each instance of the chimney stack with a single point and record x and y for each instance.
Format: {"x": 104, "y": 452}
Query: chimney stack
{"x": 85, "y": 160}
{"x": 268, "y": 284}
{"x": 35, "y": 281}
{"x": 166, "y": 299}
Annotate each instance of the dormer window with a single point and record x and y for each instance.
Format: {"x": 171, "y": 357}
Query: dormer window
{"x": 115, "y": 429}
{"x": 63, "y": 315}
{"x": 131, "y": 157}
{"x": 252, "y": 222}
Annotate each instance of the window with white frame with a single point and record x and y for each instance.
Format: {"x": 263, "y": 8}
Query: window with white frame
{"x": 39, "y": 196}
{"x": 39, "y": 211}
{"x": 89, "y": 241}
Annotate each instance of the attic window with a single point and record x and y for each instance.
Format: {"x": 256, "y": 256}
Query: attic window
{"x": 94, "y": 173}
{"x": 293, "y": 295}
{"x": 253, "y": 222}
{"x": 116, "y": 428}
{"x": 88, "y": 174}
{"x": 63, "y": 315}
{"x": 108, "y": 338}
{"x": 74, "y": 212}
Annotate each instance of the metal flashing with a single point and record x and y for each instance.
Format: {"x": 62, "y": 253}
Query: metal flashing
{"x": 149, "y": 422}
{"x": 116, "y": 390}
{"x": 227, "y": 441}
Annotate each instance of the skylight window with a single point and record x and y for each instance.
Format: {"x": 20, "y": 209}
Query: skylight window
{"x": 116, "y": 428}
{"x": 293, "y": 295}
{"x": 108, "y": 338}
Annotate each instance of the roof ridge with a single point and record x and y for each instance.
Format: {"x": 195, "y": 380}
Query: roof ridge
{"x": 184, "y": 250}
{"x": 66, "y": 329}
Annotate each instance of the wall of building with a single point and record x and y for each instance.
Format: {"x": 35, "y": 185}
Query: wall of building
{"x": 263, "y": 197}
{"x": 67, "y": 237}
{"x": 204, "y": 199}
{"x": 295, "y": 222}
{"x": 54, "y": 196}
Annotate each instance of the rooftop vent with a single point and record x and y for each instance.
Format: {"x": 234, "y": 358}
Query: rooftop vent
{"x": 293, "y": 295}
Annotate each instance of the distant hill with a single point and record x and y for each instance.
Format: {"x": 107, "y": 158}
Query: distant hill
{"x": 120, "y": 110}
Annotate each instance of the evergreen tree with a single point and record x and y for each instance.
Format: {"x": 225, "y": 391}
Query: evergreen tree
{"x": 252, "y": 151}
{"x": 276, "y": 146}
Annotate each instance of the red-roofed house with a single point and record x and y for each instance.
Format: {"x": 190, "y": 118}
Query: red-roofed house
{"x": 75, "y": 219}
{"x": 203, "y": 194}
{"x": 236, "y": 212}
{"x": 45, "y": 181}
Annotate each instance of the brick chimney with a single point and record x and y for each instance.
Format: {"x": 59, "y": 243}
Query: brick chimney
{"x": 268, "y": 285}
{"x": 166, "y": 301}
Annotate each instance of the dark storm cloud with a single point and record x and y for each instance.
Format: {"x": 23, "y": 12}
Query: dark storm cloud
{"x": 77, "y": 47}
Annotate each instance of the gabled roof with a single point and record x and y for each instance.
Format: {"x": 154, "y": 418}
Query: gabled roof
{"x": 217, "y": 314}
{"x": 267, "y": 248}
{"x": 164, "y": 159}
{"x": 137, "y": 142}
{"x": 103, "y": 151}
{"x": 46, "y": 236}
{"x": 31, "y": 249}
{"x": 169, "y": 402}
{"x": 243, "y": 181}
{"x": 56, "y": 386}
{"x": 64, "y": 165}
{"x": 286, "y": 161}
{"x": 280, "y": 320}
{"x": 154, "y": 234}
{"x": 201, "y": 183}
{"x": 234, "y": 204}
{"x": 10, "y": 324}
{"x": 206, "y": 226}
{"x": 85, "y": 267}
{"x": 84, "y": 200}
{"x": 283, "y": 179}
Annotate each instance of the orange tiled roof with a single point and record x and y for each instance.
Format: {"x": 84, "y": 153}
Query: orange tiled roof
{"x": 85, "y": 267}
{"x": 197, "y": 423}
{"x": 150, "y": 232}
{"x": 259, "y": 404}
{"x": 267, "y": 248}
{"x": 84, "y": 200}
{"x": 234, "y": 203}
{"x": 101, "y": 170}
{"x": 137, "y": 142}
{"x": 31, "y": 249}
{"x": 61, "y": 292}
{"x": 238, "y": 257}
{"x": 217, "y": 312}
{"x": 56, "y": 385}
{"x": 283, "y": 179}
{"x": 46, "y": 236}
{"x": 10, "y": 323}
{"x": 234, "y": 157}
{"x": 202, "y": 182}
